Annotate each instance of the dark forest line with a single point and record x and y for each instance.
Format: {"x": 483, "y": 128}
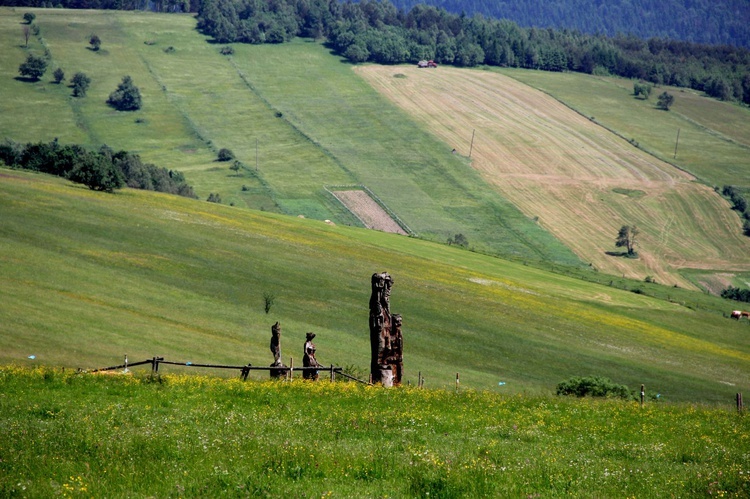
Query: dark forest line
{"x": 700, "y": 21}
{"x": 377, "y": 31}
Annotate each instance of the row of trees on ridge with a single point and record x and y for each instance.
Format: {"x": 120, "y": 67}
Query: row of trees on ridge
{"x": 102, "y": 170}
{"x": 376, "y": 31}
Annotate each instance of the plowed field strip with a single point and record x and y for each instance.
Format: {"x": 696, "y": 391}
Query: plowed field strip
{"x": 368, "y": 211}
{"x": 557, "y": 165}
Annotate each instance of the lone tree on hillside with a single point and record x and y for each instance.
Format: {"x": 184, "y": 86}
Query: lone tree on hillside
{"x": 127, "y": 97}
{"x": 626, "y": 238}
{"x": 95, "y": 42}
{"x": 641, "y": 89}
{"x": 34, "y": 67}
{"x": 665, "y": 101}
{"x": 29, "y": 17}
{"x": 59, "y": 75}
{"x": 80, "y": 84}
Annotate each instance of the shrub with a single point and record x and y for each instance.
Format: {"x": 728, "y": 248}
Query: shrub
{"x": 29, "y": 17}
{"x": 592, "y": 386}
{"x": 225, "y": 154}
{"x": 226, "y": 50}
{"x": 214, "y": 198}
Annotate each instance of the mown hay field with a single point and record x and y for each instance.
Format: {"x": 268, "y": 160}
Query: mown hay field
{"x": 579, "y": 180}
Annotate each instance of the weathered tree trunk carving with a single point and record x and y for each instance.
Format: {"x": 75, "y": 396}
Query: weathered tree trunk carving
{"x": 386, "y": 341}
{"x": 276, "y": 351}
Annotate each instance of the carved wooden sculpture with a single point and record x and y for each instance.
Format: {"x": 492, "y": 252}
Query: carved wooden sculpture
{"x": 386, "y": 343}
{"x": 276, "y": 351}
{"x": 308, "y": 358}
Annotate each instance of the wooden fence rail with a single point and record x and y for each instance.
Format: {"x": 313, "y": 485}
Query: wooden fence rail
{"x": 244, "y": 370}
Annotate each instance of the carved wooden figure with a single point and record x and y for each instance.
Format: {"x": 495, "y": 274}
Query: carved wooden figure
{"x": 308, "y": 358}
{"x": 386, "y": 343}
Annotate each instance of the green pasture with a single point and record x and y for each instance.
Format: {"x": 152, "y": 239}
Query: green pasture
{"x": 83, "y": 435}
{"x": 297, "y": 118}
{"x": 87, "y": 277}
{"x": 714, "y": 136}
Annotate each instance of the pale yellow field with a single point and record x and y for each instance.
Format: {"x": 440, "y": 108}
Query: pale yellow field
{"x": 557, "y": 165}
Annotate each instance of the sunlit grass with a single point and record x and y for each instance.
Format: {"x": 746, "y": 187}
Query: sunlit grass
{"x": 93, "y": 435}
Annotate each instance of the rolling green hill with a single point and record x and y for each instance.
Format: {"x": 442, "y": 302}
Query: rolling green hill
{"x": 87, "y": 277}
{"x": 296, "y": 118}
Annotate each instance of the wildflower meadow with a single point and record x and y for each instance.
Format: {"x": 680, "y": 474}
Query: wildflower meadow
{"x": 67, "y": 434}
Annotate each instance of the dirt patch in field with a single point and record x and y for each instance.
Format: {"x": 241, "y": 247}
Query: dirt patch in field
{"x": 569, "y": 172}
{"x": 370, "y": 213}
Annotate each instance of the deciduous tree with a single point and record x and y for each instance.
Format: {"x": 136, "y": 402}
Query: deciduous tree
{"x": 627, "y": 238}
{"x": 95, "y": 42}
{"x": 665, "y": 101}
{"x": 80, "y": 84}
{"x": 34, "y": 67}
{"x": 127, "y": 97}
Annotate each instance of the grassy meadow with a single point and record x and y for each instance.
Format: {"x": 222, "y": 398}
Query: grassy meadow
{"x": 87, "y": 277}
{"x": 83, "y": 435}
{"x": 297, "y": 118}
{"x": 714, "y": 140}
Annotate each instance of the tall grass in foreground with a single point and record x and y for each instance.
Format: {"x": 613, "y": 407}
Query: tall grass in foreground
{"x": 76, "y": 435}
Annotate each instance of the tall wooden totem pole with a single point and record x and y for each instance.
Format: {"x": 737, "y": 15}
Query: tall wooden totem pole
{"x": 386, "y": 341}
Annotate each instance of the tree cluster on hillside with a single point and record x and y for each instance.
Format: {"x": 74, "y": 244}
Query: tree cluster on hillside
{"x": 376, "y": 31}
{"x": 103, "y": 170}
{"x": 737, "y": 294}
{"x": 739, "y": 204}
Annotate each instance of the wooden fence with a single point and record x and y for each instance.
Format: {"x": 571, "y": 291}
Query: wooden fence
{"x": 286, "y": 372}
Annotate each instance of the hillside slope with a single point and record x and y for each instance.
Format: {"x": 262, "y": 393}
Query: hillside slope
{"x": 580, "y": 181}
{"x": 87, "y": 277}
{"x": 295, "y": 117}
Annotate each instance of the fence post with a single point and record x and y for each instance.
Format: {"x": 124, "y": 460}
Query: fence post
{"x": 291, "y": 368}
{"x": 126, "y": 363}
{"x": 245, "y": 372}
{"x": 643, "y": 394}
{"x": 457, "y": 382}
{"x": 739, "y": 402}
{"x": 333, "y": 374}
